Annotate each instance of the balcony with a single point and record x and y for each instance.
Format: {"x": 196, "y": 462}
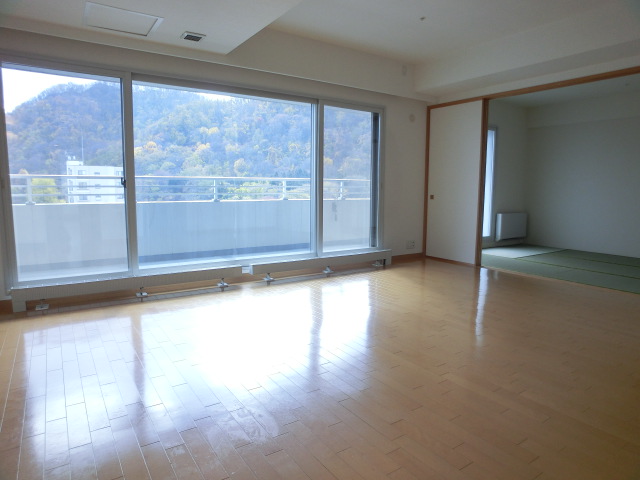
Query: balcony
{"x": 41, "y": 189}
{"x": 75, "y": 225}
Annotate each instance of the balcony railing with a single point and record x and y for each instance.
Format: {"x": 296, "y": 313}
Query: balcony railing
{"x": 41, "y": 189}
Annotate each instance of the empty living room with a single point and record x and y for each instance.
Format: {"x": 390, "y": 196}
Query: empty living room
{"x": 265, "y": 240}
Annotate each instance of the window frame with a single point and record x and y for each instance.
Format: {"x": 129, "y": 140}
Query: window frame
{"x": 10, "y": 265}
{"x": 126, "y": 79}
{"x": 377, "y": 164}
{"x": 214, "y": 88}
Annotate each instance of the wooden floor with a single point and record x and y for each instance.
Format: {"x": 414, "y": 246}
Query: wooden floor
{"x": 419, "y": 371}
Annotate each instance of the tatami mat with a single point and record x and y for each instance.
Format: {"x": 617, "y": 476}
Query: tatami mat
{"x": 600, "y": 265}
{"x": 601, "y": 257}
{"x": 608, "y": 271}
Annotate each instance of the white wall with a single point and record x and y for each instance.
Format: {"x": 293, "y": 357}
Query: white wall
{"x": 405, "y": 122}
{"x": 510, "y": 160}
{"x": 403, "y": 176}
{"x": 455, "y": 138}
{"x": 583, "y": 175}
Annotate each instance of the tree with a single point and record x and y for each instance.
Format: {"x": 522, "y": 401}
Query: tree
{"x": 175, "y": 133}
{"x": 44, "y": 190}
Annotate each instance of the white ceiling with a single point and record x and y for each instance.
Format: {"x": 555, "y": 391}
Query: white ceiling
{"x": 226, "y": 23}
{"x": 417, "y": 31}
{"x": 441, "y": 40}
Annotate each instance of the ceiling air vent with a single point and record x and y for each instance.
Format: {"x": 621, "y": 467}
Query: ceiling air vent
{"x": 192, "y": 37}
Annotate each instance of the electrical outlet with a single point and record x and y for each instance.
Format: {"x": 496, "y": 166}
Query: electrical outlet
{"x": 411, "y": 244}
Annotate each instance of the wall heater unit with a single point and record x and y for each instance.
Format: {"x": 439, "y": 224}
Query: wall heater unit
{"x": 511, "y": 226}
{"x": 21, "y": 295}
{"x": 383, "y": 256}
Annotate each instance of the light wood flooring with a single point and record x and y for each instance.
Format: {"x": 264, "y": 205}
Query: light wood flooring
{"x": 423, "y": 370}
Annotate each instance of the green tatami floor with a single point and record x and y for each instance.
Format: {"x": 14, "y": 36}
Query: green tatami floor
{"x": 608, "y": 271}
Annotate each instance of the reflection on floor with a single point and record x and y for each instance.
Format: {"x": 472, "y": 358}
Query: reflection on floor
{"x": 598, "y": 269}
{"x": 420, "y": 370}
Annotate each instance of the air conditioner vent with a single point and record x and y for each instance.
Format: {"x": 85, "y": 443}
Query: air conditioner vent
{"x": 192, "y": 37}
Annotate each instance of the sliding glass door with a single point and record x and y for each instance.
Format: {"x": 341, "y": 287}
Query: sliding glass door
{"x": 220, "y": 177}
{"x": 350, "y": 166}
{"x": 65, "y": 164}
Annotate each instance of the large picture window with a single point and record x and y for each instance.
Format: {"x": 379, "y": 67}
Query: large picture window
{"x": 113, "y": 177}
{"x": 220, "y": 177}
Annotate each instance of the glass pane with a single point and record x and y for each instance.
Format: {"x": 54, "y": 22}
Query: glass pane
{"x": 348, "y": 165}
{"x": 64, "y": 135}
{"x": 220, "y": 177}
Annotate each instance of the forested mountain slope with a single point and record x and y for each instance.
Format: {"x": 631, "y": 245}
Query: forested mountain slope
{"x": 180, "y": 133}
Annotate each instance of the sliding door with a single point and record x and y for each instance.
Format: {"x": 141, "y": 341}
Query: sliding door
{"x": 454, "y": 173}
{"x": 350, "y": 171}
{"x": 65, "y": 164}
{"x": 220, "y": 177}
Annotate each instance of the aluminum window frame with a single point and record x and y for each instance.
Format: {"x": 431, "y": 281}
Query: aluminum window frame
{"x": 377, "y": 168}
{"x": 10, "y": 266}
{"x": 126, "y": 79}
{"x": 252, "y": 94}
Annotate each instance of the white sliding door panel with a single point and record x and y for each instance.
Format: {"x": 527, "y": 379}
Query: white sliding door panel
{"x": 455, "y": 146}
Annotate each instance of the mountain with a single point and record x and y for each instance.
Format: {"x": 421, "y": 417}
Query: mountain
{"x": 182, "y": 133}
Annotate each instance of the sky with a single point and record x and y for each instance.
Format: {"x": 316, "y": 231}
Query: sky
{"x": 18, "y": 86}
{"x": 21, "y": 85}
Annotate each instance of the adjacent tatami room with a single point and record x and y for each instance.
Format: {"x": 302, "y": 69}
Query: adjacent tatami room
{"x": 243, "y": 241}
{"x": 567, "y": 159}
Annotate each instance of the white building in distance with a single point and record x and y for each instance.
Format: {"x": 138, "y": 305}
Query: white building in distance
{"x": 93, "y": 183}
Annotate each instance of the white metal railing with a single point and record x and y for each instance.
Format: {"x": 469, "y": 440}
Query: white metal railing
{"x": 41, "y": 189}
